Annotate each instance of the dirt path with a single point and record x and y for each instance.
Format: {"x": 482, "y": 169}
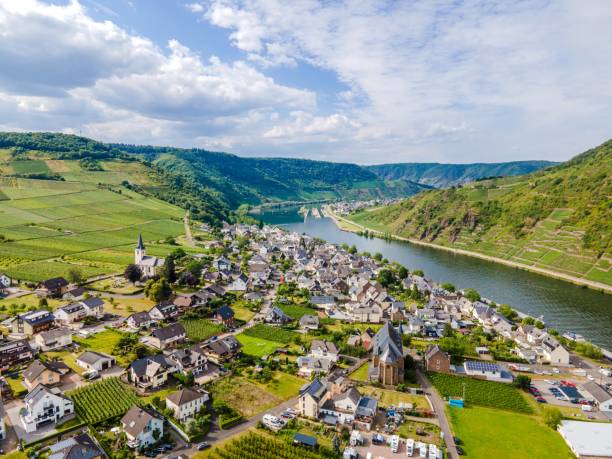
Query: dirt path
{"x": 188, "y": 235}
{"x": 545, "y": 272}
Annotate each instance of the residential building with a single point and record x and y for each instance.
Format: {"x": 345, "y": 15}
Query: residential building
{"x": 151, "y": 372}
{"x": 325, "y": 349}
{"x": 186, "y": 403}
{"x": 53, "y": 288}
{"x": 139, "y": 320}
{"x": 148, "y": 265}
{"x": 92, "y": 360}
{"x": 309, "y": 322}
{"x": 14, "y": 352}
{"x": 553, "y": 352}
{"x": 486, "y": 370}
{"x": 240, "y": 284}
{"x": 44, "y": 405}
{"x": 5, "y": 282}
{"x": 224, "y": 315}
{"x": 222, "y": 349}
{"x": 311, "y": 398}
{"x": 164, "y": 311}
{"x": 170, "y": 336}
{"x": 47, "y": 373}
{"x": 142, "y": 428}
{"x": 437, "y": 360}
{"x": 600, "y": 396}
{"x": 276, "y": 316}
{"x": 30, "y": 323}
{"x": 387, "y": 362}
{"x": 56, "y": 338}
{"x": 190, "y": 360}
{"x": 341, "y": 408}
{"x": 81, "y": 446}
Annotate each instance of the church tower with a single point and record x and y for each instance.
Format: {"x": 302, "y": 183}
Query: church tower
{"x": 140, "y": 251}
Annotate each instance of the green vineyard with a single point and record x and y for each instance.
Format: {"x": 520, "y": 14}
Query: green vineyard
{"x": 255, "y": 446}
{"x": 102, "y": 400}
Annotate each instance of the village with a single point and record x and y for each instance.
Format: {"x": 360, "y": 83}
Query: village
{"x": 258, "y": 328}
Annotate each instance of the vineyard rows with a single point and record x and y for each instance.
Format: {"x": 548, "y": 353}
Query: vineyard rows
{"x": 102, "y": 400}
{"x": 255, "y": 446}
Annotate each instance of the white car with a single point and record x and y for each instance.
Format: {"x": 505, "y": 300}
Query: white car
{"x": 590, "y": 378}
{"x": 556, "y": 370}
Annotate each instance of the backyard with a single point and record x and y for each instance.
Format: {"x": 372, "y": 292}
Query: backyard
{"x": 244, "y": 396}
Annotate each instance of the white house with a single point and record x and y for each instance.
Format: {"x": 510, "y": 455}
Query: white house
{"x": 55, "y": 338}
{"x": 151, "y": 372}
{"x": 341, "y": 408}
{"x": 553, "y": 352}
{"x": 141, "y": 427}
{"x": 324, "y": 349}
{"x": 186, "y": 403}
{"x": 42, "y": 405}
{"x": 486, "y": 370}
{"x": 5, "y": 281}
{"x": 240, "y": 284}
{"x": 600, "y": 396}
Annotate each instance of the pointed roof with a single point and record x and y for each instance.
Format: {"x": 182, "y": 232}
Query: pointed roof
{"x": 388, "y": 344}
{"x": 140, "y": 245}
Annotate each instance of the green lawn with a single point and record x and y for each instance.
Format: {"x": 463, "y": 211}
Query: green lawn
{"x": 105, "y": 342}
{"x": 283, "y": 385}
{"x": 361, "y": 373}
{"x": 257, "y": 347}
{"x": 389, "y": 398}
{"x": 490, "y": 433}
{"x": 17, "y": 386}
{"x": 296, "y": 311}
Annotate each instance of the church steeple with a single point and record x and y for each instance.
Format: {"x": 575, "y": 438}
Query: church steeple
{"x": 139, "y": 251}
{"x": 140, "y": 245}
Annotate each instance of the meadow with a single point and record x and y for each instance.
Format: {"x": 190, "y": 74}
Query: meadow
{"x": 256, "y": 347}
{"x": 243, "y": 396}
{"x": 487, "y": 433}
{"x": 296, "y": 311}
{"x": 269, "y": 333}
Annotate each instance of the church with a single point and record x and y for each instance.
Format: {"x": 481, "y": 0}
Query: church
{"x": 148, "y": 265}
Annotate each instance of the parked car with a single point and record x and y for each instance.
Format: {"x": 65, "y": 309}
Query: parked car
{"x": 460, "y": 451}
{"x": 203, "y": 445}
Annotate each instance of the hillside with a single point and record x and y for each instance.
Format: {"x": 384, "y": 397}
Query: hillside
{"x": 58, "y": 215}
{"x": 447, "y": 175}
{"x": 254, "y": 181}
{"x": 559, "y": 219}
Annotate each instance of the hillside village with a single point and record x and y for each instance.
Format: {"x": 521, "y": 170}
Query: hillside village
{"x": 308, "y": 342}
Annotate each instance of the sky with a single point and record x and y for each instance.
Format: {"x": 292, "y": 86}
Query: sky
{"x": 364, "y": 81}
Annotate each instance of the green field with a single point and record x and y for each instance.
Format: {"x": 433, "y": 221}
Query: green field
{"x": 481, "y": 392}
{"x": 102, "y": 400}
{"x": 256, "y": 347}
{"x": 490, "y": 433}
{"x": 267, "y": 332}
{"x": 296, "y": 311}
{"x": 361, "y": 373}
{"x": 283, "y": 385}
{"x": 105, "y": 342}
{"x": 201, "y": 329}
{"x": 243, "y": 396}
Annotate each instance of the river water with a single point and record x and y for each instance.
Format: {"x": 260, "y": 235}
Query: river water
{"x": 564, "y": 306}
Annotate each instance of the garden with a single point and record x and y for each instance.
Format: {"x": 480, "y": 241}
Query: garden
{"x": 102, "y": 400}
{"x": 480, "y": 392}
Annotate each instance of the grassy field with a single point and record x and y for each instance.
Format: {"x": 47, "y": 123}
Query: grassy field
{"x": 296, "y": 311}
{"x": 487, "y": 433}
{"x": 361, "y": 373}
{"x": 267, "y": 332}
{"x": 256, "y": 347}
{"x": 54, "y": 226}
{"x": 283, "y": 385}
{"x": 388, "y": 398}
{"x": 242, "y": 312}
{"x": 127, "y": 306}
{"x": 17, "y": 386}
{"x": 68, "y": 358}
{"x": 481, "y": 392}
{"x": 431, "y": 432}
{"x": 105, "y": 342}
{"x": 244, "y": 396}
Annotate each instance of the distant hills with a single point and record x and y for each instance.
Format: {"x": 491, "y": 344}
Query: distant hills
{"x": 446, "y": 175}
{"x": 559, "y": 218}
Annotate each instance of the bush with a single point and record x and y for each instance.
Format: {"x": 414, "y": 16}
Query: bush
{"x": 227, "y": 421}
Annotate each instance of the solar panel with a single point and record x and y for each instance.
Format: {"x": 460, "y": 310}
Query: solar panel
{"x": 476, "y": 365}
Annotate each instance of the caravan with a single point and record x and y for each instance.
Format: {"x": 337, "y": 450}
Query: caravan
{"x": 394, "y": 443}
{"x": 422, "y": 447}
{"x": 409, "y": 447}
{"x": 433, "y": 452}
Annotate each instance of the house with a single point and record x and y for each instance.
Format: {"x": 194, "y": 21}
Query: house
{"x": 240, "y": 284}
{"x": 151, "y": 372}
{"x": 341, "y": 408}
{"x": 53, "y": 339}
{"x": 224, "y": 315}
{"x": 92, "y": 360}
{"x": 190, "y": 360}
{"x": 141, "y": 427}
{"x": 600, "y": 396}
{"x": 47, "y": 373}
{"x": 94, "y": 307}
{"x": 325, "y": 349}
{"x": 44, "y": 405}
{"x": 14, "y": 353}
{"x": 5, "y": 282}
{"x": 311, "y": 398}
{"x": 387, "y": 362}
{"x": 437, "y": 360}
{"x": 276, "y": 316}
{"x": 53, "y": 288}
{"x": 75, "y": 294}
{"x": 81, "y": 446}
{"x": 309, "y": 365}
{"x": 367, "y": 314}
{"x": 553, "y": 352}
{"x": 486, "y": 370}
{"x": 366, "y": 412}
{"x": 170, "y": 336}
{"x": 139, "y": 320}
{"x": 323, "y": 301}
{"x": 186, "y": 403}
{"x": 70, "y": 313}
{"x": 222, "y": 349}
{"x": 164, "y": 311}
{"x": 309, "y": 322}
{"x": 30, "y": 323}
{"x": 222, "y": 264}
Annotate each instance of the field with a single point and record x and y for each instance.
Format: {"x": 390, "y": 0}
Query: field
{"x": 283, "y": 385}
{"x": 269, "y": 333}
{"x": 51, "y": 227}
{"x": 388, "y": 398}
{"x": 126, "y": 306}
{"x": 296, "y": 311}
{"x": 480, "y": 392}
{"x": 102, "y": 400}
{"x": 487, "y": 433}
{"x": 200, "y": 329}
{"x": 105, "y": 342}
{"x": 244, "y": 396}
{"x": 256, "y": 347}
{"x": 255, "y": 446}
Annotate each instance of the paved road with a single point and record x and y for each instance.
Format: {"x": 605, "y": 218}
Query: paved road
{"x": 439, "y": 406}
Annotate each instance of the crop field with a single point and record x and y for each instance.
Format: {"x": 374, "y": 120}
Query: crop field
{"x": 487, "y": 433}
{"x": 200, "y": 329}
{"x": 479, "y": 392}
{"x": 102, "y": 400}
{"x": 36, "y": 166}
{"x": 254, "y": 446}
{"x": 50, "y": 227}
{"x": 276, "y": 334}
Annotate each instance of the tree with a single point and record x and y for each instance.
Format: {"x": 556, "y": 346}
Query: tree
{"x": 43, "y": 303}
{"x": 448, "y": 331}
{"x": 158, "y": 290}
{"x": 507, "y": 312}
{"x": 552, "y": 417}
{"x": 528, "y": 321}
{"x": 418, "y": 272}
{"x": 75, "y": 276}
{"x": 402, "y": 272}
{"x": 539, "y": 324}
{"x": 522, "y": 382}
{"x": 448, "y": 287}
{"x": 170, "y": 270}
{"x": 187, "y": 278}
{"x": 386, "y": 277}
{"x": 353, "y": 250}
{"x": 378, "y": 256}
{"x": 132, "y": 273}
{"x": 471, "y": 294}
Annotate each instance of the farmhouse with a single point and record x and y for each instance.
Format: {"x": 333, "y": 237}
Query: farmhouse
{"x": 44, "y": 405}
{"x": 141, "y": 427}
{"x": 56, "y": 338}
{"x": 148, "y": 265}
{"x": 32, "y": 322}
{"x": 169, "y": 336}
{"x": 186, "y": 403}
{"x": 91, "y": 360}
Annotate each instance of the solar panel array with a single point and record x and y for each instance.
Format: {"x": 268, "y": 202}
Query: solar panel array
{"x": 476, "y": 365}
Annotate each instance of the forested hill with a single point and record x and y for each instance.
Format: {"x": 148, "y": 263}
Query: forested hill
{"x": 446, "y": 175}
{"x": 558, "y": 219}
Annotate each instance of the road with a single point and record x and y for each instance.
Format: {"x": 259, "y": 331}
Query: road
{"x": 439, "y": 406}
{"x": 188, "y": 234}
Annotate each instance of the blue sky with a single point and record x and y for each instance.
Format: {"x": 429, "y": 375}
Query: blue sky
{"x": 366, "y": 81}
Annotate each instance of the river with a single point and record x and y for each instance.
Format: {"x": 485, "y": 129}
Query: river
{"x": 564, "y": 306}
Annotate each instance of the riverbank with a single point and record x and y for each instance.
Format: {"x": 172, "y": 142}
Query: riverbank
{"x": 348, "y": 225}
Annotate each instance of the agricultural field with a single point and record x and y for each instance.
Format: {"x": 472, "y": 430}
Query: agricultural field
{"x": 51, "y": 227}
{"x": 269, "y": 333}
{"x": 481, "y": 392}
{"x": 243, "y": 396}
{"x": 256, "y": 446}
{"x": 487, "y": 433}
{"x": 102, "y": 400}
{"x": 201, "y": 329}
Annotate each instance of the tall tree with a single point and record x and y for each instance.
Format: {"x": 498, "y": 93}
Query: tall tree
{"x": 170, "y": 270}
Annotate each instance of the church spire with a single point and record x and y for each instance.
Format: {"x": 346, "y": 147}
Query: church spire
{"x": 140, "y": 245}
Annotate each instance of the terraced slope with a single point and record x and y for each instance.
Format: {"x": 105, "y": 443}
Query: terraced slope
{"x": 559, "y": 219}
